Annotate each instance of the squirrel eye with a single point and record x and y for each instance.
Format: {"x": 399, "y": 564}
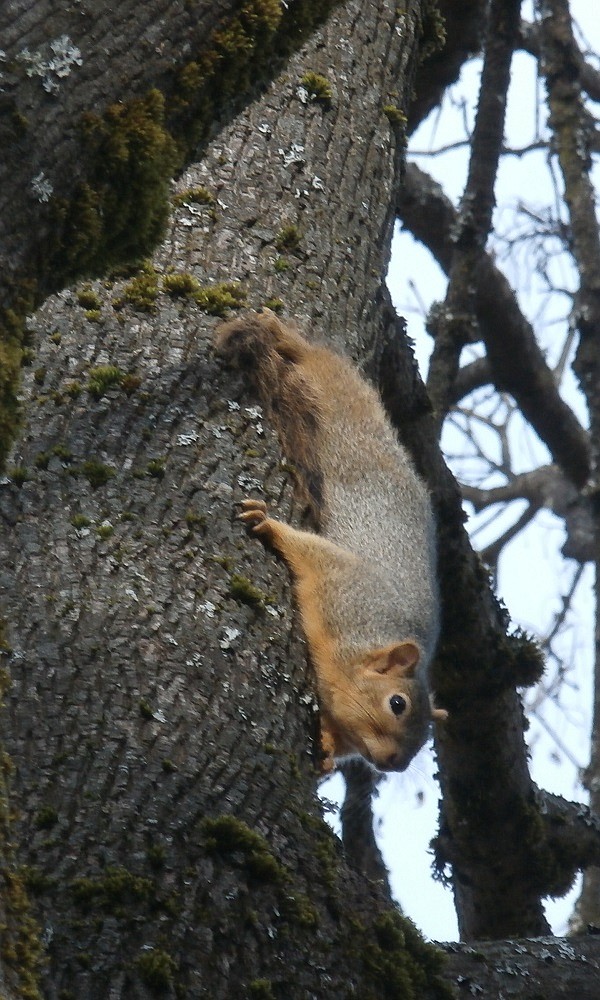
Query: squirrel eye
{"x": 397, "y": 704}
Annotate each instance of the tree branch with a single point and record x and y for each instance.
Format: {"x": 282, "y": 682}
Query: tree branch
{"x": 573, "y": 835}
{"x": 526, "y": 969}
{"x": 482, "y": 755}
{"x": 463, "y": 39}
{"x": 454, "y": 320}
{"x": 491, "y": 553}
{"x": 356, "y": 816}
{"x": 545, "y": 487}
{"x": 569, "y": 121}
{"x": 589, "y": 78}
{"x": 430, "y": 216}
{"x": 470, "y": 377}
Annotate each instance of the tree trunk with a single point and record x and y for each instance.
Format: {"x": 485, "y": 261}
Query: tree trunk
{"x": 67, "y": 69}
{"x": 160, "y": 713}
{"x": 99, "y": 106}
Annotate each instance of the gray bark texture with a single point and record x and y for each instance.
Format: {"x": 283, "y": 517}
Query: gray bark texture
{"x": 64, "y": 65}
{"x": 160, "y": 713}
{"x": 527, "y": 968}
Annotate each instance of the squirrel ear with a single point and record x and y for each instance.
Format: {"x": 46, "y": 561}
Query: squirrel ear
{"x": 402, "y": 659}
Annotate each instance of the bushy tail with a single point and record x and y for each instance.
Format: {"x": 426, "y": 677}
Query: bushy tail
{"x": 272, "y": 354}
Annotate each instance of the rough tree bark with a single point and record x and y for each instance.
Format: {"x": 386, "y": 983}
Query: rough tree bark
{"x": 62, "y": 64}
{"x": 98, "y": 108}
{"x": 160, "y": 711}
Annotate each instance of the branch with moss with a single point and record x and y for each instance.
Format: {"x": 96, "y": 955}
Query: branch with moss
{"x": 548, "y": 967}
{"x": 588, "y": 75}
{"x": 489, "y": 808}
{"x": 441, "y": 67}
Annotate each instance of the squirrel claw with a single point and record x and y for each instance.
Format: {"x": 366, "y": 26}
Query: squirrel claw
{"x": 254, "y": 505}
{"x": 254, "y": 514}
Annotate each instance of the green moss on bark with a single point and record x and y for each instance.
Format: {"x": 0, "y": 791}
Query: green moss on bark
{"x": 433, "y": 30}
{"x": 130, "y": 150}
{"x": 119, "y": 212}
{"x": 395, "y": 960}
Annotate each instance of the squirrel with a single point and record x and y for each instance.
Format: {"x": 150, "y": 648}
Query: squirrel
{"x": 366, "y": 584}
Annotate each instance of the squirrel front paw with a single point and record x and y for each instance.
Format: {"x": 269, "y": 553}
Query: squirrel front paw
{"x": 255, "y": 516}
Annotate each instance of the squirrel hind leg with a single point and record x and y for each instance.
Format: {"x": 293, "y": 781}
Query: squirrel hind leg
{"x": 286, "y": 340}
{"x": 239, "y": 338}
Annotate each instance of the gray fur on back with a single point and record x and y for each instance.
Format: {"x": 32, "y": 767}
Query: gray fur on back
{"x": 376, "y": 506}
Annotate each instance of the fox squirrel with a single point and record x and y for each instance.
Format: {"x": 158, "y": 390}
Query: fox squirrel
{"x": 366, "y": 584}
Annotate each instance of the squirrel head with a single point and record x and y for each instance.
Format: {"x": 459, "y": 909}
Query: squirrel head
{"x": 383, "y": 712}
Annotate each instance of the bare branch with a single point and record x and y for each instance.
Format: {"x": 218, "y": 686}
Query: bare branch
{"x": 544, "y": 487}
{"x": 454, "y": 321}
{"x": 559, "y": 618}
{"x": 472, "y": 376}
{"x": 491, "y": 553}
{"x": 589, "y": 77}
{"x": 555, "y": 737}
{"x": 507, "y": 335}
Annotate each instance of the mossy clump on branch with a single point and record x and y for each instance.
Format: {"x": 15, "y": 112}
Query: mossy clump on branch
{"x": 88, "y": 299}
{"x": 141, "y": 291}
{"x": 318, "y": 87}
{"x": 156, "y": 968}
{"x": 395, "y": 115}
{"x": 19, "y": 475}
{"x": 96, "y": 473}
{"x": 288, "y": 238}
{"x": 195, "y": 195}
{"x": 231, "y": 837}
{"x": 120, "y": 211}
{"x": 13, "y": 348}
{"x": 243, "y": 590}
{"x": 214, "y": 299}
{"x": 116, "y": 890}
{"x": 400, "y": 963}
{"x": 433, "y": 29}
{"x": 103, "y": 378}
{"x": 275, "y": 305}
